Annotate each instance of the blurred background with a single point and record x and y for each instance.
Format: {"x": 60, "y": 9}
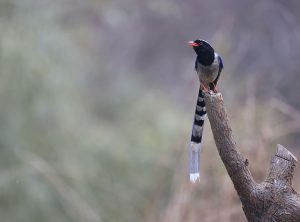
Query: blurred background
{"x": 98, "y": 97}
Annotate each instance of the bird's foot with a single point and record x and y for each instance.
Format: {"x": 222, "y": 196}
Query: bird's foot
{"x": 215, "y": 89}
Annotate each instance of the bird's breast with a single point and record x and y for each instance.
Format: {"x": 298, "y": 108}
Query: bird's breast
{"x": 208, "y": 74}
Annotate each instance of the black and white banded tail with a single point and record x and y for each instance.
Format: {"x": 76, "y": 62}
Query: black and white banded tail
{"x": 196, "y": 138}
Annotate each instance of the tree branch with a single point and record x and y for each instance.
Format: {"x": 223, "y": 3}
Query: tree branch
{"x": 272, "y": 200}
{"x": 235, "y": 163}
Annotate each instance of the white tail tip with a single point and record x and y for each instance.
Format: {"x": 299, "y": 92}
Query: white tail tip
{"x": 194, "y": 177}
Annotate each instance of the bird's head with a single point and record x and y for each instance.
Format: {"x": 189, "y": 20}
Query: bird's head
{"x": 200, "y": 45}
{"x": 196, "y": 43}
{"x": 204, "y": 50}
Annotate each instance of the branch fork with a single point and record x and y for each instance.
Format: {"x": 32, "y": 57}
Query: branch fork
{"x": 272, "y": 200}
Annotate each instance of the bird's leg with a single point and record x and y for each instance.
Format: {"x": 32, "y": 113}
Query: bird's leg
{"x": 215, "y": 89}
{"x": 203, "y": 87}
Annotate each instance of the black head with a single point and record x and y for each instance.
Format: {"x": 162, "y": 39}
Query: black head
{"x": 205, "y": 53}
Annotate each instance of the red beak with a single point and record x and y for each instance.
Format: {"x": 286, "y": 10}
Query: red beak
{"x": 192, "y": 43}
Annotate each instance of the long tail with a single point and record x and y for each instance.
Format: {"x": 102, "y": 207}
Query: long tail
{"x": 196, "y": 138}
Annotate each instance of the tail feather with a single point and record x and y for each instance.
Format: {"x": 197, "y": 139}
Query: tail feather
{"x": 196, "y": 138}
{"x": 194, "y": 163}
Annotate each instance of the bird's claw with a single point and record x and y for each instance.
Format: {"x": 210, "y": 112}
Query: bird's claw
{"x": 215, "y": 89}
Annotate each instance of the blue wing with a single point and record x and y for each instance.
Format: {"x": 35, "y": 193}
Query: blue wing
{"x": 220, "y": 64}
{"x": 220, "y": 69}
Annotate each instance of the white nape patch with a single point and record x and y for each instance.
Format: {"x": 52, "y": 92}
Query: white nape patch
{"x": 194, "y": 177}
{"x": 204, "y": 41}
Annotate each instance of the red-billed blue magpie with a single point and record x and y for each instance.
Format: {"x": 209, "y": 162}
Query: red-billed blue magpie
{"x": 208, "y": 66}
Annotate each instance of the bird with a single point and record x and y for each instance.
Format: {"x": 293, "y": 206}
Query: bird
{"x": 208, "y": 66}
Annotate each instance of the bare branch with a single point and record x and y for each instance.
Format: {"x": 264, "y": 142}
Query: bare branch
{"x": 235, "y": 163}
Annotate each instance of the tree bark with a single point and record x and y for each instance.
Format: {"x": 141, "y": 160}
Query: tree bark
{"x": 272, "y": 200}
